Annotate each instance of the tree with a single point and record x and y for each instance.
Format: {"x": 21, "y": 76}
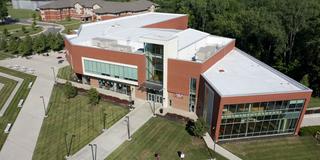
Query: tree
{"x": 69, "y": 90}
{"x": 94, "y": 96}
{"x": 197, "y": 128}
{"x": 25, "y": 47}
{"x": 23, "y": 29}
{"x": 33, "y": 25}
{"x": 13, "y": 45}
{"x": 39, "y": 44}
{"x": 305, "y": 80}
{"x": 3, "y": 44}
{"x": 5, "y": 32}
{"x": 3, "y": 10}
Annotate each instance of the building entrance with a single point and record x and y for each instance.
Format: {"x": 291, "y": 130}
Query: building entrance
{"x": 154, "y": 97}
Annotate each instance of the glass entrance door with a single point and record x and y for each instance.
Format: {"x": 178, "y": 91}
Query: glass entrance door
{"x": 154, "y": 98}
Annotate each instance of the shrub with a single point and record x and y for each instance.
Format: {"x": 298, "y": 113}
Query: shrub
{"x": 94, "y": 96}
{"x": 309, "y": 131}
{"x": 197, "y": 128}
{"x": 69, "y": 90}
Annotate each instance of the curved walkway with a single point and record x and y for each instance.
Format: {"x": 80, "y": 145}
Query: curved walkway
{"x": 6, "y": 105}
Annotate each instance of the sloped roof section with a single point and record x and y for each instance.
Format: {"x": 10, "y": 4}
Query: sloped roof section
{"x": 106, "y": 6}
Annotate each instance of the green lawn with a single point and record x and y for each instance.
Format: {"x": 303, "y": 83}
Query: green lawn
{"x": 74, "y": 116}
{"x": 12, "y": 111}
{"x": 21, "y": 13}
{"x": 70, "y": 25}
{"x": 165, "y": 137}
{"x": 277, "y": 148}
{"x": 4, "y": 55}
{"x": 314, "y": 102}
{"x": 8, "y": 87}
{"x": 11, "y": 27}
{"x": 65, "y": 73}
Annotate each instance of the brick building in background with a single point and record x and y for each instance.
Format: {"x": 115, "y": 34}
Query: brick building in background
{"x": 93, "y": 10}
{"x": 156, "y": 57}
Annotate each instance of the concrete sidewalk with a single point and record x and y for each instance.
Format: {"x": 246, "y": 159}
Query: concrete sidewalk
{"x": 23, "y": 136}
{"x": 111, "y": 139}
{"x": 218, "y": 149}
{"x": 311, "y": 120}
{"x": 13, "y": 93}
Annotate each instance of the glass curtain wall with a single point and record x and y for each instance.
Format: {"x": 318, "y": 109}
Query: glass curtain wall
{"x": 259, "y": 119}
{"x": 154, "y": 58}
{"x": 112, "y": 70}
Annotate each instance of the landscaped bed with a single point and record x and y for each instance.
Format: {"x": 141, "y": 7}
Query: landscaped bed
{"x": 276, "y": 148}
{"x": 13, "y": 111}
{"x": 65, "y": 73}
{"x": 73, "y": 116}
{"x": 165, "y": 137}
{"x": 8, "y": 87}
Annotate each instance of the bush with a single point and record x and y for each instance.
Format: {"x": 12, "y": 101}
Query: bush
{"x": 197, "y": 128}
{"x": 69, "y": 90}
{"x": 309, "y": 131}
{"x": 94, "y": 96}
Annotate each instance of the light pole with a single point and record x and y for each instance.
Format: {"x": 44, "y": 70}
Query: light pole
{"x": 214, "y": 139}
{"x": 94, "y": 151}
{"x": 44, "y": 107}
{"x": 128, "y": 127}
{"x": 54, "y": 75}
{"x": 68, "y": 146}
{"x": 104, "y": 121}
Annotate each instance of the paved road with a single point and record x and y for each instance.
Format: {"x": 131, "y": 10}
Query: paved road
{"x": 111, "y": 139}
{"x": 13, "y": 93}
{"x": 311, "y": 120}
{"x": 49, "y": 27}
{"x": 23, "y": 136}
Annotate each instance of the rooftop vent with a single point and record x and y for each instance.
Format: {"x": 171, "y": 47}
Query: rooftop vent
{"x": 221, "y": 70}
{"x": 205, "y": 52}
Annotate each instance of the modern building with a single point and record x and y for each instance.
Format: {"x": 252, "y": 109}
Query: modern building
{"x": 93, "y": 10}
{"x": 156, "y": 57}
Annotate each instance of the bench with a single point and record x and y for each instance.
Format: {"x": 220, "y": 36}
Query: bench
{"x": 8, "y": 128}
{"x": 30, "y": 85}
{"x": 20, "y": 103}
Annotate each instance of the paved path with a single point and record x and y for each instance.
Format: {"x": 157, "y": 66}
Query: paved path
{"x": 219, "y": 149}
{"x": 1, "y": 86}
{"x": 13, "y": 93}
{"x": 311, "y": 120}
{"x": 117, "y": 134}
{"x": 23, "y": 136}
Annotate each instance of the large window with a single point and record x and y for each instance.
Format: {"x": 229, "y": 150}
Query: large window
{"x": 258, "y": 119}
{"x": 112, "y": 70}
{"x": 154, "y": 59}
{"x": 192, "y": 94}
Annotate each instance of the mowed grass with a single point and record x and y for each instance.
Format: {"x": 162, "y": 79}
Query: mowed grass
{"x": 314, "y": 102}
{"x": 166, "y": 138}
{"x": 70, "y": 25}
{"x": 13, "y": 111}
{"x": 6, "y": 90}
{"x": 21, "y": 13}
{"x": 277, "y": 148}
{"x": 73, "y": 116}
{"x": 65, "y": 73}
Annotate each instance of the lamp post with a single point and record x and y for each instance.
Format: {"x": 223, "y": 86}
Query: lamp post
{"x": 94, "y": 151}
{"x": 54, "y": 75}
{"x": 104, "y": 121}
{"x": 44, "y": 107}
{"x": 128, "y": 127}
{"x": 214, "y": 139}
{"x": 68, "y": 145}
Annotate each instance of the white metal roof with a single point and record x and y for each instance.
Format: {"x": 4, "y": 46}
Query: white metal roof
{"x": 240, "y": 74}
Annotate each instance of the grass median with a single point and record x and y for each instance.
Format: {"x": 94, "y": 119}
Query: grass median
{"x": 8, "y": 87}
{"x": 12, "y": 111}
{"x": 73, "y": 116}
